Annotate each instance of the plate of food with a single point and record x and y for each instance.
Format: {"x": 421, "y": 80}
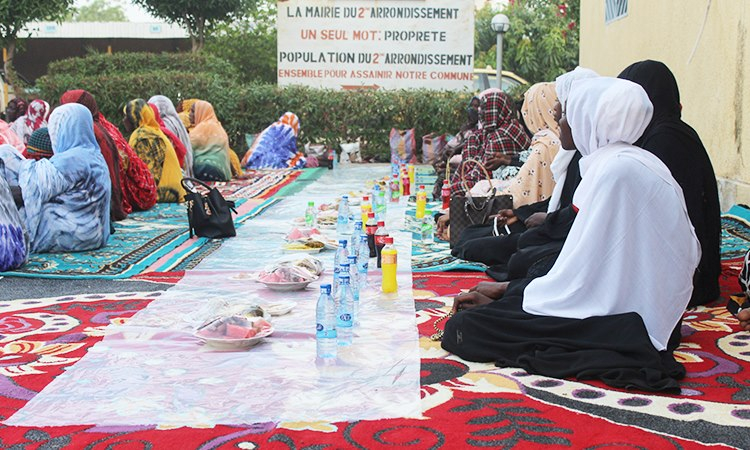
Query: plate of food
{"x": 306, "y": 246}
{"x": 234, "y": 332}
{"x": 288, "y": 278}
{"x": 279, "y": 308}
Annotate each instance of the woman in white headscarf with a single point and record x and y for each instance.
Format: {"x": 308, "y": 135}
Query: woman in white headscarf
{"x": 613, "y": 298}
{"x": 172, "y": 121}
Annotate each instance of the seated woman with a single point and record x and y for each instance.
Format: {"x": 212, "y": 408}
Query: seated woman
{"x": 184, "y": 107}
{"x": 14, "y": 244}
{"x": 456, "y": 145}
{"x": 498, "y": 143}
{"x": 680, "y": 148}
{"x": 39, "y": 145}
{"x": 15, "y": 109}
{"x": 65, "y": 198}
{"x": 9, "y": 137}
{"x": 36, "y": 117}
{"x": 276, "y": 146}
{"x": 119, "y": 207}
{"x": 172, "y": 121}
{"x": 153, "y": 147}
{"x": 627, "y": 264}
{"x": 138, "y": 185}
{"x": 177, "y": 145}
{"x": 212, "y": 161}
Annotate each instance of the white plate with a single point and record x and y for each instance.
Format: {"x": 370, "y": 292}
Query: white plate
{"x": 227, "y": 343}
{"x": 279, "y": 308}
{"x": 286, "y": 286}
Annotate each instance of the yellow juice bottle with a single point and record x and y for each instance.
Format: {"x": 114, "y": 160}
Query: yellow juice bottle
{"x": 410, "y": 172}
{"x": 389, "y": 263}
{"x": 421, "y": 202}
{"x": 365, "y": 207}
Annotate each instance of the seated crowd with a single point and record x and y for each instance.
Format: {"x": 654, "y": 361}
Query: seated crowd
{"x": 615, "y": 222}
{"x": 64, "y": 166}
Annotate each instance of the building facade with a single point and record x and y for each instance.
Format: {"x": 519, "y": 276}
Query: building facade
{"x": 705, "y": 43}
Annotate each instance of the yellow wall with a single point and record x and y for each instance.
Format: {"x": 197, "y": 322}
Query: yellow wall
{"x": 706, "y": 44}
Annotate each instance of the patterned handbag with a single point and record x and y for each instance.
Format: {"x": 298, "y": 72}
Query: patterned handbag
{"x": 467, "y": 210}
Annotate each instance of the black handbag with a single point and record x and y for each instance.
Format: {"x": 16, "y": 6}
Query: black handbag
{"x": 209, "y": 215}
{"x": 467, "y": 210}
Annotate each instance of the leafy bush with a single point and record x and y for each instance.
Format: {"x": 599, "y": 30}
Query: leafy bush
{"x": 326, "y": 116}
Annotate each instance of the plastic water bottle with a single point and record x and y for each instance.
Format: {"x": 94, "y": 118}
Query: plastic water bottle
{"x": 310, "y": 215}
{"x": 354, "y": 239}
{"x": 382, "y": 206}
{"x": 428, "y": 228}
{"x": 363, "y": 261}
{"x": 355, "y": 285}
{"x": 325, "y": 328}
{"x": 344, "y": 309}
{"x": 342, "y": 221}
{"x": 341, "y": 256}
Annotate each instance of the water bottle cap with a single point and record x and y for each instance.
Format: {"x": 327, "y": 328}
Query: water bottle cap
{"x": 343, "y": 242}
{"x": 325, "y": 288}
{"x": 345, "y": 196}
{"x": 376, "y": 187}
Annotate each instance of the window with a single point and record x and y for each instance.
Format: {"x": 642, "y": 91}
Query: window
{"x": 615, "y": 9}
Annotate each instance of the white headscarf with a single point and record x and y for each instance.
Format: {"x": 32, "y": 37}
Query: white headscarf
{"x": 632, "y": 247}
{"x": 559, "y": 166}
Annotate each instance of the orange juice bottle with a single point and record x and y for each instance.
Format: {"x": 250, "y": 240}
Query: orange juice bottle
{"x": 389, "y": 262}
{"x": 421, "y": 202}
{"x": 365, "y": 207}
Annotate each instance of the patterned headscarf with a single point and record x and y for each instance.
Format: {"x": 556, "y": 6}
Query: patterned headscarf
{"x": 172, "y": 121}
{"x": 178, "y": 146}
{"x": 39, "y": 145}
{"x": 538, "y": 108}
{"x": 210, "y": 144}
{"x": 35, "y": 117}
{"x": 155, "y": 149}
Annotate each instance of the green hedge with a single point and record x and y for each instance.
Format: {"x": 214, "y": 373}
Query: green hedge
{"x": 326, "y": 116}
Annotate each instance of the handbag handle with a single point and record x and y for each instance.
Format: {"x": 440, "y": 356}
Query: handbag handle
{"x": 195, "y": 181}
{"x": 481, "y": 167}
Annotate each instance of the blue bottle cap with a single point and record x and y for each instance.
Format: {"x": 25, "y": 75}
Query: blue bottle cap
{"x": 342, "y": 242}
{"x": 325, "y": 288}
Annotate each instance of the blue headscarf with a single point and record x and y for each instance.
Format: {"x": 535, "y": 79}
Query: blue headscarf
{"x": 67, "y": 197}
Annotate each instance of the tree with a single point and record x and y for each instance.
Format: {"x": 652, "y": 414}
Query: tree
{"x": 249, "y": 43}
{"x": 15, "y": 14}
{"x": 198, "y": 17}
{"x": 542, "y": 42}
{"x": 100, "y": 11}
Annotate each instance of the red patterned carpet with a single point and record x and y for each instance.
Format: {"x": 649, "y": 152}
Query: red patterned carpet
{"x": 465, "y": 405}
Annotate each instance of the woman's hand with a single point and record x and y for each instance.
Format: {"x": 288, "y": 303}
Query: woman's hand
{"x": 497, "y": 160}
{"x": 491, "y": 289}
{"x": 535, "y": 220}
{"x": 469, "y": 300}
{"x": 504, "y": 217}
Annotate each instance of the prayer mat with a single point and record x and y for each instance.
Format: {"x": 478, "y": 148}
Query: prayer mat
{"x": 735, "y": 233}
{"x": 433, "y": 256}
{"x": 154, "y": 240}
{"x": 263, "y": 183}
{"x": 465, "y": 405}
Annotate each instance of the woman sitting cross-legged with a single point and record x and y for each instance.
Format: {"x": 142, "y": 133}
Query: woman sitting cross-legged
{"x": 65, "y": 199}
{"x": 154, "y": 148}
{"x": 609, "y": 306}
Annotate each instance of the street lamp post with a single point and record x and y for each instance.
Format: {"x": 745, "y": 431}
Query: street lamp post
{"x": 500, "y": 25}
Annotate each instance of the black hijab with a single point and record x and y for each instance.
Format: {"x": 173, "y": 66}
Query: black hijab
{"x": 681, "y": 150}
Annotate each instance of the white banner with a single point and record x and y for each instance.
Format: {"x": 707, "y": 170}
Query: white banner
{"x": 354, "y": 44}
